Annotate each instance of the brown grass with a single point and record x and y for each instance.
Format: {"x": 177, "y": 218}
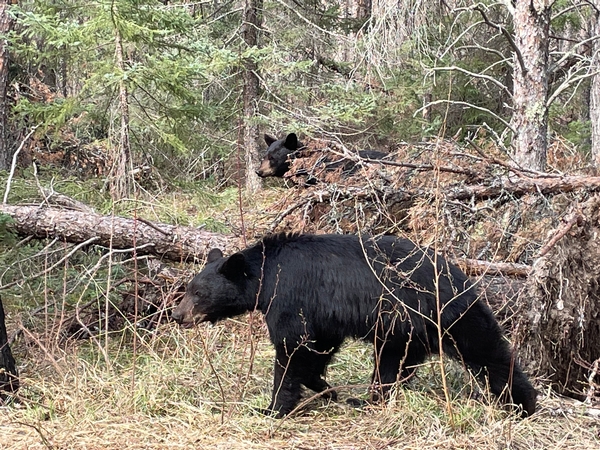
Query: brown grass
{"x": 73, "y": 398}
{"x": 198, "y": 389}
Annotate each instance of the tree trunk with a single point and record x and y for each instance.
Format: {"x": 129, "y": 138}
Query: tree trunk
{"x": 175, "y": 243}
{"x": 363, "y": 9}
{"x": 6, "y": 24}
{"x": 595, "y": 88}
{"x": 9, "y": 381}
{"x": 121, "y": 179}
{"x": 252, "y": 23}
{"x": 530, "y": 94}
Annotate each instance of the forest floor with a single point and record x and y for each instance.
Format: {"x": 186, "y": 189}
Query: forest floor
{"x": 168, "y": 388}
{"x": 197, "y": 389}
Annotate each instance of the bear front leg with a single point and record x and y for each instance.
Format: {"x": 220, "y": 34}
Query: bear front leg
{"x": 478, "y": 341}
{"x": 286, "y": 386}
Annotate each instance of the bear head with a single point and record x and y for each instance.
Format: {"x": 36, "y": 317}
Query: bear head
{"x": 216, "y": 293}
{"x": 277, "y": 159}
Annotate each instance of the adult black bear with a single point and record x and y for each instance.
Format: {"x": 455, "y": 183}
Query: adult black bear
{"x": 281, "y": 152}
{"x": 317, "y": 290}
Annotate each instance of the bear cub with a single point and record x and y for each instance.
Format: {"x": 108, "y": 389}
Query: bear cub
{"x": 281, "y": 152}
{"x": 317, "y": 290}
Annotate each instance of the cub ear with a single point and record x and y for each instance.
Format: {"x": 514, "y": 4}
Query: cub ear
{"x": 291, "y": 141}
{"x": 213, "y": 255}
{"x": 269, "y": 139}
{"x": 234, "y": 266}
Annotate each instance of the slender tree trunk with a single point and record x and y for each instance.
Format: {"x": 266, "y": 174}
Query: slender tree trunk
{"x": 595, "y": 88}
{"x": 252, "y": 23}
{"x": 121, "y": 181}
{"x": 6, "y": 24}
{"x": 9, "y": 381}
{"x": 530, "y": 116}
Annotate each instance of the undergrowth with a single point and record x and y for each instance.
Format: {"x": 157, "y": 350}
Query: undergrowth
{"x": 199, "y": 388}
{"x": 168, "y": 387}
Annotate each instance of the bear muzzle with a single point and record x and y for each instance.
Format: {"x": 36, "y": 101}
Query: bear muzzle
{"x": 185, "y": 315}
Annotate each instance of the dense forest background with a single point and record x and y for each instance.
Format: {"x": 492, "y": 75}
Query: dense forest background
{"x": 146, "y": 118}
{"x": 165, "y": 84}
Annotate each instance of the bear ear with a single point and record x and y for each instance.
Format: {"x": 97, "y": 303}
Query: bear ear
{"x": 213, "y": 255}
{"x": 269, "y": 139}
{"x": 291, "y": 141}
{"x": 234, "y": 266}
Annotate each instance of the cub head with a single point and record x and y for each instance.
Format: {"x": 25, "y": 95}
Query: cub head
{"x": 215, "y": 293}
{"x": 277, "y": 159}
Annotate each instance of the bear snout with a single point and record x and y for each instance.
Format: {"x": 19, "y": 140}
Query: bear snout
{"x": 177, "y": 316}
{"x": 182, "y": 313}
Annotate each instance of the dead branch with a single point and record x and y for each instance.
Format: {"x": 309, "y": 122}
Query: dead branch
{"x": 476, "y": 267}
{"x": 575, "y": 218}
{"x": 591, "y": 380}
{"x": 523, "y": 186}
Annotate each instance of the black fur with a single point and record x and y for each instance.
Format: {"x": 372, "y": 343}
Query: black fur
{"x": 317, "y": 290}
{"x": 280, "y": 153}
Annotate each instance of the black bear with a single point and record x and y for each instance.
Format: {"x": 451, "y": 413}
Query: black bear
{"x": 317, "y": 290}
{"x": 279, "y": 155}
{"x": 281, "y": 152}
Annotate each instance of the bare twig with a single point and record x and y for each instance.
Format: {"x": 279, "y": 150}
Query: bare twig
{"x": 475, "y": 75}
{"x": 14, "y": 164}
{"x": 53, "y": 266}
{"x": 506, "y": 35}
{"x": 575, "y": 218}
{"x": 468, "y": 105}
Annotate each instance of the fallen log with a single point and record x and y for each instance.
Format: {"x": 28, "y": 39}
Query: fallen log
{"x": 175, "y": 243}
{"x": 518, "y": 187}
{"x": 171, "y": 242}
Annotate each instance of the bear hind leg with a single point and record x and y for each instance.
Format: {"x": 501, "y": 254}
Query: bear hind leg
{"x": 315, "y": 368}
{"x": 477, "y": 340}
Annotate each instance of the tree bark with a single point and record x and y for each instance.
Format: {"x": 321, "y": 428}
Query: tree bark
{"x": 175, "y": 243}
{"x": 595, "y": 87}
{"x": 252, "y": 22}
{"x": 524, "y": 185}
{"x": 6, "y": 25}
{"x": 530, "y": 93}
{"x": 9, "y": 381}
{"x": 121, "y": 179}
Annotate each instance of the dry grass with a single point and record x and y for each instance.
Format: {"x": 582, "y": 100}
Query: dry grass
{"x": 197, "y": 389}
